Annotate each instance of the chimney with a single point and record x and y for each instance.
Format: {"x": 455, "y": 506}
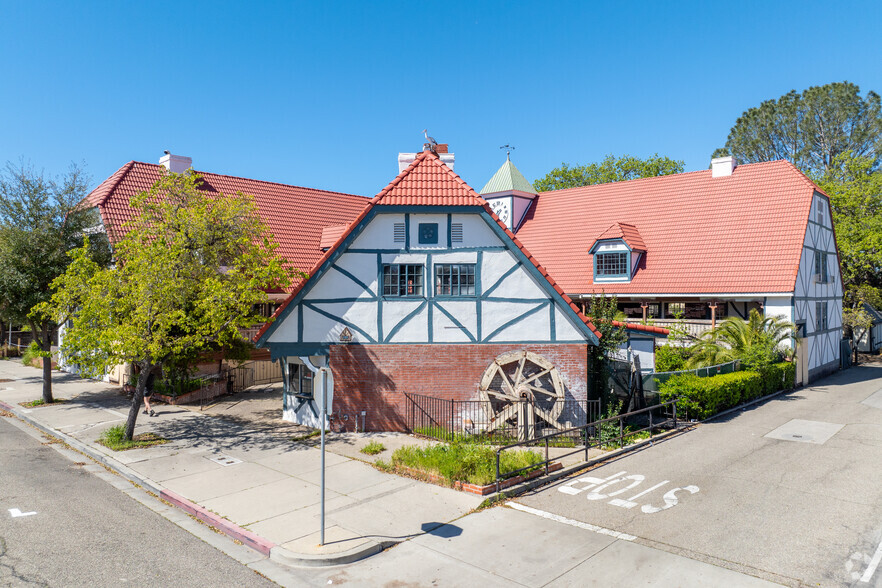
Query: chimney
{"x": 405, "y": 159}
{"x": 723, "y": 166}
{"x": 175, "y": 163}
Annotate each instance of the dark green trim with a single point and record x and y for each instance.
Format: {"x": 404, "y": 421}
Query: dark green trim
{"x": 353, "y": 278}
{"x": 552, "y": 327}
{"x": 432, "y": 249}
{"x": 499, "y": 281}
{"x": 405, "y": 320}
{"x": 515, "y": 320}
{"x": 507, "y": 299}
{"x": 379, "y": 298}
{"x": 340, "y": 320}
{"x": 407, "y": 232}
{"x": 449, "y": 230}
{"x": 456, "y": 322}
{"x": 478, "y": 307}
{"x": 430, "y": 279}
{"x": 332, "y": 300}
{"x": 299, "y": 323}
{"x": 281, "y": 350}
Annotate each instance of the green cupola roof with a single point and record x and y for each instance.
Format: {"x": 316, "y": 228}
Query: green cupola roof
{"x": 506, "y": 179}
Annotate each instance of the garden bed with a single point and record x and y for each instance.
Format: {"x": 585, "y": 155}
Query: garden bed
{"x": 213, "y": 390}
{"x": 480, "y": 490}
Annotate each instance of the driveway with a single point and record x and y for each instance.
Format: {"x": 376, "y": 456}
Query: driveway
{"x": 788, "y": 491}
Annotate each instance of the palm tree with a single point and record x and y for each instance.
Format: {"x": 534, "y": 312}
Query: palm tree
{"x": 754, "y": 341}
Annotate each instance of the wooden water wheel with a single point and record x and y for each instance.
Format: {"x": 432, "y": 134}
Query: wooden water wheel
{"x": 524, "y": 390}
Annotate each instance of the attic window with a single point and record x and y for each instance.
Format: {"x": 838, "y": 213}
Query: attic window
{"x": 819, "y": 211}
{"x": 399, "y": 233}
{"x": 456, "y": 232}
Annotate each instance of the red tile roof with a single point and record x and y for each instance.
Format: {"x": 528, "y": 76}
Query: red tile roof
{"x": 429, "y": 182}
{"x": 628, "y": 233}
{"x": 295, "y": 216}
{"x": 735, "y": 234}
{"x": 330, "y": 235}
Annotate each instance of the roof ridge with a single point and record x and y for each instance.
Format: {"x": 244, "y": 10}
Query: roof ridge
{"x": 111, "y": 183}
{"x": 204, "y": 173}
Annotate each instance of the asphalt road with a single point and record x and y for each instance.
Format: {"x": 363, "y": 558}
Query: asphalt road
{"x": 789, "y": 490}
{"x": 86, "y": 532}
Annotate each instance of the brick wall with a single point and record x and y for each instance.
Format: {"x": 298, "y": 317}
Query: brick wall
{"x": 374, "y": 378}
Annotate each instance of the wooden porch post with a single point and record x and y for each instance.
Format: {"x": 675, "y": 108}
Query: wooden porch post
{"x": 644, "y": 306}
{"x": 713, "y": 307}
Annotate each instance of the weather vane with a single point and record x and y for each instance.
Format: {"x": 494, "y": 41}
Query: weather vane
{"x": 508, "y": 149}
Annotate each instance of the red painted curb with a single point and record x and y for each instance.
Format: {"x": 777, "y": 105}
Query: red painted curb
{"x": 5, "y": 407}
{"x": 253, "y": 541}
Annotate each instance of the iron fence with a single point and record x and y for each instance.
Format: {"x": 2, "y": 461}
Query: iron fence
{"x": 495, "y": 422}
{"x": 606, "y": 433}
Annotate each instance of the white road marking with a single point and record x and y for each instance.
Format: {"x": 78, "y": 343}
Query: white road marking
{"x": 629, "y": 503}
{"x": 874, "y": 563}
{"x": 17, "y": 513}
{"x": 571, "y": 522}
{"x": 670, "y": 499}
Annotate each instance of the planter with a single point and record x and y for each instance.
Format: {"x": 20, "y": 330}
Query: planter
{"x": 474, "y": 488}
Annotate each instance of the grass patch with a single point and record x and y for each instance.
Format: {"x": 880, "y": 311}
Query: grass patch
{"x": 495, "y": 438}
{"x": 373, "y": 448}
{"x": 114, "y": 438}
{"x": 305, "y": 436}
{"x": 41, "y": 402}
{"x": 463, "y": 462}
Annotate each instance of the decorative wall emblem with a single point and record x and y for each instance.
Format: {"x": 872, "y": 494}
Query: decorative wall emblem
{"x": 346, "y": 335}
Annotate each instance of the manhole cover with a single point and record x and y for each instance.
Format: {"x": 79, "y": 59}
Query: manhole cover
{"x": 225, "y": 460}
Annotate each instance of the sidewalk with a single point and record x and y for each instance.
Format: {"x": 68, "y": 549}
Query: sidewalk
{"x": 248, "y": 472}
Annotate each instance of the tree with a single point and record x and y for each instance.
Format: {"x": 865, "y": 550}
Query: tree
{"x": 855, "y": 192}
{"x": 756, "y": 342}
{"x": 188, "y": 273}
{"x": 604, "y": 315}
{"x": 40, "y": 221}
{"x": 856, "y": 322}
{"x": 611, "y": 169}
{"x": 810, "y": 129}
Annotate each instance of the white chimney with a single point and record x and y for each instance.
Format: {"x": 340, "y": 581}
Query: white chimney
{"x": 405, "y": 159}
{"x": 176, "y": 163}
{"x": 723, "y": 166}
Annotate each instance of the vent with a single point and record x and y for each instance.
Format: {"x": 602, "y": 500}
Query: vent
{"x": 398, "y": 233}
{"x": 456, "y": 232}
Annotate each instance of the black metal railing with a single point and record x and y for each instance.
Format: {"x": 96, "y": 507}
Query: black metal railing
{"x": 495, "y": 422}
{"x": 604, "y": 433}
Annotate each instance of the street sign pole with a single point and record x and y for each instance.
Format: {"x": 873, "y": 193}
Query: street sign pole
{"x": 323, "y": 421}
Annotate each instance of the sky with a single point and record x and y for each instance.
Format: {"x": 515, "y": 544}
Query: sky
{"x": 326, "y": 94}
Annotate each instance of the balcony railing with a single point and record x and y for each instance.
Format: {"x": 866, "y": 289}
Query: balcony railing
{"x": 692, "y": 327}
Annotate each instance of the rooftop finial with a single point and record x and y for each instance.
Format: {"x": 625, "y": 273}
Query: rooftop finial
{"x": 508, "y": 148}
{"x": 431, "y": 143}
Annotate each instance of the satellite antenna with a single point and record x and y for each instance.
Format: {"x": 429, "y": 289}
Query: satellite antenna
{"x": 508, "y": 149}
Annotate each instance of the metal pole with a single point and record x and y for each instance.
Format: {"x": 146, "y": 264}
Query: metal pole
{"x": 324, "y": 417}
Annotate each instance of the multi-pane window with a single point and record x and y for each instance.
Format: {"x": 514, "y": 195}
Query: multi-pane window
{"x": 300, "y": 380}
{"x": 402, "y": 279}
{"x": 611, "y": 264}
{"x": 821, "y": 316}
{"x": 820, "y": 209}
{"x": 455, "y": 279}
{"x": 820, "y": 267}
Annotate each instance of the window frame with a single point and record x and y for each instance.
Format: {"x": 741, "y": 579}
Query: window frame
{"x": 393, "y": 280}
{"x": 624, "y": 262}
{"x": 821, "y": 324}
{"x": 303, "y": 374}
{"x": 821, "y": 268}
{"x": 455, "y": 286}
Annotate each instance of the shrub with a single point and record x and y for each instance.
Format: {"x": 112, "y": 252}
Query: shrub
{"x": 373, "y": 448}
{"x": 778, "y": 376}
{"x": 31, "y": 353}
{"x": 702, "y": 398}
{"x": 464, "y": 462}
{"x": 670, "y": 358}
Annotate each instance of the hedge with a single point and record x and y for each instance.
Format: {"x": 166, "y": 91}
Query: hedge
{"x": 702, "y": 398}
{"x": 670, "y": 358}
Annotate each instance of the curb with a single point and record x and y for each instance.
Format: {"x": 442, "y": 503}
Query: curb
{"x": 255, "y": 542}
{"x": 283, "y": 556}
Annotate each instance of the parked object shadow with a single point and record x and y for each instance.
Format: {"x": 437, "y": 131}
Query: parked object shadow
{"x": 445, "y": 531}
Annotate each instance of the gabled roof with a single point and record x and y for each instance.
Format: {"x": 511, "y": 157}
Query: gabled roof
{"x": 427, "y": 181}
{"x": 625, "y": 232}
{"x": 736, "y": 234}
{"x": 506, "y": 179}
{"x": 295, "y": 216}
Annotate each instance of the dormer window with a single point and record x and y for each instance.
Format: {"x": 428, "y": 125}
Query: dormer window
{"x": 616, "y": 253}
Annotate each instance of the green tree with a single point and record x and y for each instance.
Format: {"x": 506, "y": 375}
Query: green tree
{"x": 188, "y": 273}
{"x": 604, "y": 315}
{"x": 40, "y": 221}
{"x": 756, "y": 342}
{"x": 810, "y": 129}
{"x": 855, "y": 192}
{"x": 611, "y": 169}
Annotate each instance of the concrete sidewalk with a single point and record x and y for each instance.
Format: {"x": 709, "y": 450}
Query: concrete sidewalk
{"x": 248, "y": 474}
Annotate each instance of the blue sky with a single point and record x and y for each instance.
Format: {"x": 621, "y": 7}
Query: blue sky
{"x": 325, "y": 94}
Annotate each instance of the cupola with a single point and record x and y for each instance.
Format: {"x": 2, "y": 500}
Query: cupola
{"x": 509, "y": 194}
